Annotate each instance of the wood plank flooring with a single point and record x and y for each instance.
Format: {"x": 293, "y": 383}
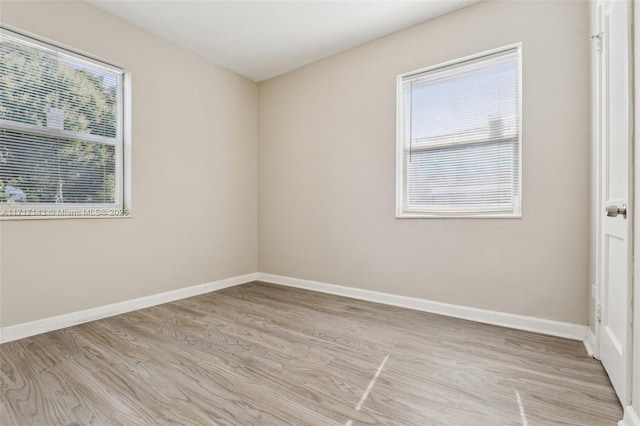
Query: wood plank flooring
{"x": 261, "y": 354}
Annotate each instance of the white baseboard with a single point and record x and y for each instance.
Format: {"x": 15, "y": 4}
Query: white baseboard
{"x": 20, "y": 331}
{"x": 590, "y": 343}
{"x": 631, "y": 417}
{"x": 520, "y": 322}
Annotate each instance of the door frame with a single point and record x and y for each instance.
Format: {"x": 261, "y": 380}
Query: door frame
{"x": 593, "y": 341}
{"x": 632, "y": 412}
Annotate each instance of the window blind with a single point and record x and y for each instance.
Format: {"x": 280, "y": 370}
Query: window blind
{"x": 61, "y": 136}
{"x": 459, "y": 141}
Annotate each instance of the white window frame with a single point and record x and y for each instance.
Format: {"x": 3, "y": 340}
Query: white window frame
{"x": 401, "y": 210}
{"x": 122, "y": 206}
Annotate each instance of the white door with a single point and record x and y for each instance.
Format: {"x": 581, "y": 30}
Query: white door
{"x": 615, "y": 180}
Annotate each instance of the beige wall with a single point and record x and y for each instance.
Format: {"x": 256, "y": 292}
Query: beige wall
{"x": 327, "y": 170}
{"x": 194, "y": 179}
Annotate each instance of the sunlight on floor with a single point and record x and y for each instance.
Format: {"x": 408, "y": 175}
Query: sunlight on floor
{"x": 371, "y": 383}
{"x": 523, "y": 416}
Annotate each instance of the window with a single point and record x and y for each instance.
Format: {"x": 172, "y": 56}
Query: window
{"x": 61, "y": 132}
{"x": 459, "y": 147}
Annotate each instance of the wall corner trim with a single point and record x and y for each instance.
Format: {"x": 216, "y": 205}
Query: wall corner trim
{"x": 631, "y": 417}
{"x": 520, "y": 322}
{"x": 20, "y": 331}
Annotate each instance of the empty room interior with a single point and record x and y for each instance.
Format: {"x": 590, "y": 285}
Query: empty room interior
{"x": 319, "y": 213}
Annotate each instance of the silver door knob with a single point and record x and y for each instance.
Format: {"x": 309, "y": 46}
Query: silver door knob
{"x": 613, "y": 211}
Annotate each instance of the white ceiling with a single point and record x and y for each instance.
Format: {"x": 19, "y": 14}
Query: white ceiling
{"x": 262, "y": 39}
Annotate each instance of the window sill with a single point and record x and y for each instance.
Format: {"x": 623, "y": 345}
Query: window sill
{"x": 10, "y": 217}
{"x": 458, "y": 216}
{"x": 19, "y": 218}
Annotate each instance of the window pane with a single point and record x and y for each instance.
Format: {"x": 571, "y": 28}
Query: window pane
{"x": 49, "y": 89}
{"x": 44, "y": 169}
{"x": 477, "y": 176}
{"x": 465, "y": 100}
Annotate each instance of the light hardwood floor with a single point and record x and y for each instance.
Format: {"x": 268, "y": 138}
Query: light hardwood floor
{"x": 261, "y": 354}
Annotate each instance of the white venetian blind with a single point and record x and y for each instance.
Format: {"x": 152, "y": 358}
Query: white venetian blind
{"x": 460, "y": 138}
{"x": 60, "y": 127}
